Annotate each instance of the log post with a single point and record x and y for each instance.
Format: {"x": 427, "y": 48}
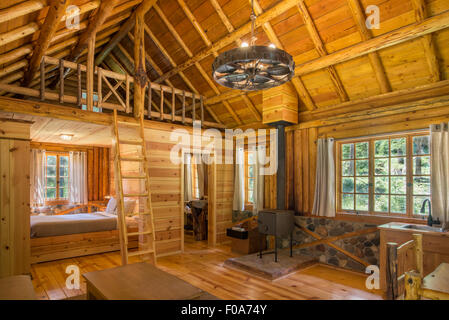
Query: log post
{"x": 99, "y": 87}
{"x": 419, "y": 254}
{"x": 161, "y": 107}
{"x": 183, "y": 106}
{"x": 42, "y": 80}
{"x": 392, "y": 272}
{"x": 80, "y": 89}
{"x": 150, "y": 99}
{"x": 140, "y": 74}
{"x": 413, "y": 283}
{"x": 173, "y": 104}
{"x": 61, "y": 81}
{"x": 90, "y": 74}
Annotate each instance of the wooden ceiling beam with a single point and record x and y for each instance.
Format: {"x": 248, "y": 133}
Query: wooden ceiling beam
{"x": 427, "y": 41}
{"x": 126, "y": 27}
{"x": 172, "y": 30}
{"x": 21, "y": 9}
{"x": 374, "y": 58}
{"x": 206, "y": 40}
{"x": 321, "y": 49}
{"x": 273, "y": 12}
{"x": 297, "y": 82}
{"x": 94, "y": 25}
{"x": 33, "y": 27}
{"x": 386, "y": 40}
{"x": 48, "y": 30}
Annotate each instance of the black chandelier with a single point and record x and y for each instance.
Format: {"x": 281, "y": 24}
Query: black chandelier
{"x": 252, "y": 67}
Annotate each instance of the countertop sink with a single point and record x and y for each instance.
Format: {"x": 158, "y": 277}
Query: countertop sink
{"x": 422, "y": 227}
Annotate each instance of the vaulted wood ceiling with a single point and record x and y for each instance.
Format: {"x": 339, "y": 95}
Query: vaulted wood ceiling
{"x": 338, "y": 59}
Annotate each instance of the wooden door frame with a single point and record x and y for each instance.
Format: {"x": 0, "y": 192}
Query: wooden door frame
{"x": 211, "y": 210}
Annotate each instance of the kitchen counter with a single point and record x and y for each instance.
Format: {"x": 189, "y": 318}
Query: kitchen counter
{"x": 435, "y": 248}
{"x": 399, "y": 226}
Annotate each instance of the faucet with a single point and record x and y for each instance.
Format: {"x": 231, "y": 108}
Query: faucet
{"x": 423, "y": 210}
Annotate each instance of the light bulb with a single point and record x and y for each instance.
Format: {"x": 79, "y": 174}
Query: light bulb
{"x": 244, "y": 44}
{"x": 271, "y": 45}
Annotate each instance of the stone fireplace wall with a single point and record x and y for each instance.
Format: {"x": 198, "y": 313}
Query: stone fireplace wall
{"x": 364, "y": 246}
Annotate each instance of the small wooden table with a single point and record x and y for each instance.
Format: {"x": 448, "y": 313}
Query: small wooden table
{"x": 139, "y": 281}
{"x": 17, "y": 288}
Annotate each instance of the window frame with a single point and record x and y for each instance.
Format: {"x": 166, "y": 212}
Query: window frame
{"x": 409, "y": 157}
{"x": 57, "y": 199}
{"x": 248, "y": 178}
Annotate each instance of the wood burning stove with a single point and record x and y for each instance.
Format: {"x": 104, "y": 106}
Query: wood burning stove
{"x": 277, "y": 223}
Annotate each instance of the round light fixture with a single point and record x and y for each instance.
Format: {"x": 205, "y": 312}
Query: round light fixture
{"x": 252, "y": 67}
{"x": 66, "y": 137}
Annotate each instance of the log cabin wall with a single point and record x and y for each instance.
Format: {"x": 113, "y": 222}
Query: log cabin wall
{"x": 301, "y": 143}
{"x": 99, "y": 178}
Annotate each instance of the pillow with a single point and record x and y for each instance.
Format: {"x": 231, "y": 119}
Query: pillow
{"x": 112, "y": 206}
{"x": 129, "y": 206}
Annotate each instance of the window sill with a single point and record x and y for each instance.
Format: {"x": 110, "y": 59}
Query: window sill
{"x": 377, "y": 219}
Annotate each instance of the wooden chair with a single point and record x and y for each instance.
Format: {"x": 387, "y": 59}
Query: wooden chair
{"x": 412, "y": 284}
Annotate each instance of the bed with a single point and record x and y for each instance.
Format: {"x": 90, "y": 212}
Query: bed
{"x": 72, "y": 235}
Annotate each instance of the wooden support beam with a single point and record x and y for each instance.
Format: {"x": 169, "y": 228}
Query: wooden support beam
{"x": 430, "y": 51}
{"x": 375, "y": 61}
{"x": 206, "y": 77}
{"x": 90, "y": 74}
{"x": 54, "y": 16}
{"x": 273, "y": 12}
{"x": 21, "y": 9}
{"x": 386, "y": 40}
{"x": 126, "y": 27}
{"x": 321, "y": 49}
{"x": 140, "y": 74}
{"x": 42, "y": 109}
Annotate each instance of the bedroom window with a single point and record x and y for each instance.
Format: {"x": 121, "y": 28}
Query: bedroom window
{"x": 249, "y": 177}
{"x": 387, "y": 175}
{"x": 57, "y": 177}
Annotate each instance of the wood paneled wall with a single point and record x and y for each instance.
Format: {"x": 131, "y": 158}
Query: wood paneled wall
{"x": 98, "y": 177}
{"x": 224, "y": 194}
{"x": 300, "y": 169}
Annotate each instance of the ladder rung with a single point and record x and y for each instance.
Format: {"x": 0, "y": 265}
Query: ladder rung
{"x": 139, "y": 233}
{"x": 134, "y": 177}
{"x": 131, "y": 124}
{"x": 138, "y": 214}
{"x": 133, "y": 195}
{"x": 132, "y": 159}
{"x": 138, "y": 253}
{"x": 133, "y": 142}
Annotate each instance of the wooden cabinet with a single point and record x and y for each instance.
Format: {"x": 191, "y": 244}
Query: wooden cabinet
{"x": 435, "y": 249}
{"x": 14, "y": 197}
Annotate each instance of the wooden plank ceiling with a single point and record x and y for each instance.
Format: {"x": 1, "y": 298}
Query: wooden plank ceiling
{"x": 336, "y": 62}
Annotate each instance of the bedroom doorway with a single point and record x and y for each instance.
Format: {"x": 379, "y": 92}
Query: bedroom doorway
{"x": 196, "y": 199}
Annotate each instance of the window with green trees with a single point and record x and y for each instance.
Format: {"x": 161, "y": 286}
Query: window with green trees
{"x": 387, "y": 175}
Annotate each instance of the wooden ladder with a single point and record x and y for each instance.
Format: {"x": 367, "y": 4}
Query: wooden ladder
{"x": 119, "y": 177}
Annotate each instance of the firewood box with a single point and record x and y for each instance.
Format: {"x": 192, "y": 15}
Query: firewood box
{"x": 247, "y": 240}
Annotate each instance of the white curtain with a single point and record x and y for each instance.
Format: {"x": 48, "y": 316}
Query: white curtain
{"x": 239, "y": 181}
{"x": 324, "y": 203}
{"x": 188, "y": 177}
{"x": 78, "y": 177}
{"x": 439, "y": 144}
{"x": 259, "y": 160}
{"x": 37, "y": 177}
{"x": 200, "y": 173}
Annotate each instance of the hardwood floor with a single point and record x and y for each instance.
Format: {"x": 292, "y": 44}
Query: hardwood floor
{"x": 203, "y": 267}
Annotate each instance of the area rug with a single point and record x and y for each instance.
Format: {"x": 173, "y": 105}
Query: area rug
{"x": 267, "y": 268}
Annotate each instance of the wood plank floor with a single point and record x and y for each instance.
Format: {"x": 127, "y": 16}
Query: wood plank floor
{"x": 203, "y": 267}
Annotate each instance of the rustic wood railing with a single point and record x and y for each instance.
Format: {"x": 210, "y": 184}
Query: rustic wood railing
{"x": 105, "y": 89}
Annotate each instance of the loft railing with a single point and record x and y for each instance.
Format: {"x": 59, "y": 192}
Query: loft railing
{"x": 105, "y": 89}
